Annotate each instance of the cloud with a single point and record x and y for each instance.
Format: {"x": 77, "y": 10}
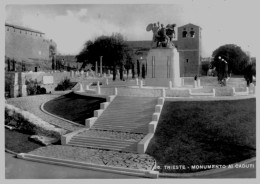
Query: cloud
{"x": 72, "y": 30}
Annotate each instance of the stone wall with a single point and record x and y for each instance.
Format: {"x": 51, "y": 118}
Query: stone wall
{"x": 25, "y": 44}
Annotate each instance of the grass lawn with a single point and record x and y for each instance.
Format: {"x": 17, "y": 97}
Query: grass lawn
{"x": 74, "y": 107}
{"x": 18, "y": 142}
{"x": 204, "y": 133}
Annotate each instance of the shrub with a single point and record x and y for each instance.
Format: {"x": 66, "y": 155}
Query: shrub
{"x": 34, "y": 88}
{"x": 31, "y": 124}
{"x": 65, "y": 84}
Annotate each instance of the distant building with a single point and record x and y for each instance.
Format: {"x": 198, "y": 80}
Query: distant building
{"x": 188, "y": 45}
{"x": 25, "y": 44}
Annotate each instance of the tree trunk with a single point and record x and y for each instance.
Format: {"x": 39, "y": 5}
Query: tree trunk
{"x": 121, "y": 72}
{"x": 143, "y": 71}
{"x": 133, "y": 70}
{"x": 127, "y": 72}
{"x": 114, "y": 72}
{"x": 138, "y": 68}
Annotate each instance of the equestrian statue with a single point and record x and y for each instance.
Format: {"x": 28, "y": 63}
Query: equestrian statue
{"x": 162, "y": 35}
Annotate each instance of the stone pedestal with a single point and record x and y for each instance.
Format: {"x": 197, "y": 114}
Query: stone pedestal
{"x": 163, "y": 66}
{"x": 14, "y": 91}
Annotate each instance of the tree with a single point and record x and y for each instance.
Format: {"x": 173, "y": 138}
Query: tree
{"x": 236, "y": 58}
{"x": 52, "y": 55}
{"x": 114, "y": 50}
{"x": 249, "y": 72}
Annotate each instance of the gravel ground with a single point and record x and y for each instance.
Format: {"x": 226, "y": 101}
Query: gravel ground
{"x": 95, "y": 156}
{"x": 32, "y": 104}
{"x": 113, "y": 135}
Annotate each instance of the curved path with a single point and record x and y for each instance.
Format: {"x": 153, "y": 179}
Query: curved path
{"x": 33, "y": 104}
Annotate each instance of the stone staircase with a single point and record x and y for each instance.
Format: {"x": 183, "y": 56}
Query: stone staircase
{"x": 127, "y": 114}
{"x": 124, "y": 114}
{"x": 104, "y": 143}
{"x": 236, "y": 82}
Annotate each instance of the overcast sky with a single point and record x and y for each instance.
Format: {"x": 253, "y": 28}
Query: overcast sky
{"x": 70, "y": 26}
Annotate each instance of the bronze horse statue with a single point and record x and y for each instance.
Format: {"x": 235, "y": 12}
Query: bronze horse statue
{"x": 162, "y": 36}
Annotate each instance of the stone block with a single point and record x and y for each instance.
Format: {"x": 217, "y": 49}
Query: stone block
{"x": 110, "y": 98}
{"x": 43, "y": 139}
{"x": 152, "y": 126}
{"x": 104, "y": 105}
{"x": 163, "y": 94}
{"x": 143, "y": 144}
{"x": 160, "y": 101}
{"x": 156, "y": 116}
{"x": 158, "y": 108}
{"x": 47, "y": 79}
{"x": 97, "y": 113}
{"x": 90, "y": 121}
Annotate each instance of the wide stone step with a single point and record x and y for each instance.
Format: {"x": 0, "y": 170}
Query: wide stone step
{"x": 100, "y": 142}
{"x": 138, "y": 130}
{"x": 123, "y": 120}
{"x": 241, "y": 93}
{"x": 132, "y": 108}
{"x": 126, "y": 116}
{"x": 105, "y": 148}
{"x": 105, "y": 139}
{"x": 128, "y": 113}
{"x": 122, "y": 123}
{"x": 121, "y": 127}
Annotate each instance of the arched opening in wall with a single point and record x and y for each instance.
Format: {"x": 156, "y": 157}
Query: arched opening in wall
{"x": 192, "y": 34}
{"x": 184, "y": 34}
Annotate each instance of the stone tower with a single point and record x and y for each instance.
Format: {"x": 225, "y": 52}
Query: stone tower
{"x": 189, "y": 46}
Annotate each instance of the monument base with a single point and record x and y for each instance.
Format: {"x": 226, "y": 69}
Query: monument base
{"x": 163, "y": 66}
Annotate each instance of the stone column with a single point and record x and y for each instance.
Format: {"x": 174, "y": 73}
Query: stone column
{"x": 21, "y": 84}
{"x": 98, "y": 88}
{"x": 14, "y": 88}
{"x": 136, "y": 81}
{"x": 141, "y": 83}
{"x": 175, "y": 68}
{"x": 101, "y": 65}
{"x": 195, "y": 84}
{"x": 170, "y": 84}
{"x": 163, "y": 93}
{"x": 198, "y": 82}
{"x": 106, "y": 81}
{"x": 115, "y": 91}
{"x": 182, "y": 82}
{"x": 96, "y": 69}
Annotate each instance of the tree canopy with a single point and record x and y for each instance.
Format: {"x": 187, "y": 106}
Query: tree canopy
{"x": 114, "y": 50}
{"x": 236, "y": 58}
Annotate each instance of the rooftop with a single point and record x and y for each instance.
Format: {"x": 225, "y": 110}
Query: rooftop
{"x": 23, "y": 28}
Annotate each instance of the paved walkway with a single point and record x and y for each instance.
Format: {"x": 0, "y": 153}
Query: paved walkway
{"x": 32, "y": 104}
{"x": 22, "y": 169}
